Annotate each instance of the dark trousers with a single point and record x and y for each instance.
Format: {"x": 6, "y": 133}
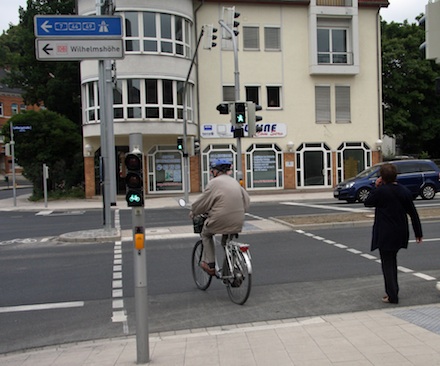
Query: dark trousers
{"x": 389, "y": 269}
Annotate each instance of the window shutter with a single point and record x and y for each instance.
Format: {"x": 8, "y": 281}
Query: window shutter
{"x": 342, "y": 94}
{"x": 322, "y": 103}
{"x": 251, "y": 39}
{"x": 272, "y": 38}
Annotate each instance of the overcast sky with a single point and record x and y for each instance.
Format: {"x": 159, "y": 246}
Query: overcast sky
{"x": 398, "y": 11}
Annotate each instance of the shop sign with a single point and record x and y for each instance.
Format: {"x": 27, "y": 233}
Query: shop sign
{"x": 227, "y": 131}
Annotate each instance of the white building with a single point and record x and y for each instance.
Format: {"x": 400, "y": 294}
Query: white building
{"x": 314, "y": 66}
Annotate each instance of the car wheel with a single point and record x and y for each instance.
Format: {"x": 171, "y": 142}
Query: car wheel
{"x": 428, "y": 192}
{"x": 363, "y": 194}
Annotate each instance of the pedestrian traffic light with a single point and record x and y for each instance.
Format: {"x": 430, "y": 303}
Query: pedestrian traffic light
{"x": 209, "y": 36}
{"x": 252, "y": 119}
{"x": 240, "y": 113}
{"x": 180, "y": 143}
{"x": 223, "y": 108}
{"x": 134, "y": 179}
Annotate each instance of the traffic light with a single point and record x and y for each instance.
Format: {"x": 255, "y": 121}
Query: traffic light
{"x": 240, "y": 113}
{"x": 253, "y": 119}
{"x": 134, "y": 179}
{"x": 180, "y": 143}
{"x": 223, "y": 108}
{"x": 229, "y": 16}
{"x": 209, "y": 36}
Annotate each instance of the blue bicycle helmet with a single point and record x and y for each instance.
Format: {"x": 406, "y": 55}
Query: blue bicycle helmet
{"x": 222, "y": 165}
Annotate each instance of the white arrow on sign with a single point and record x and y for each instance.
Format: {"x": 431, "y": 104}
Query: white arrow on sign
{"x": 46, "y": 26}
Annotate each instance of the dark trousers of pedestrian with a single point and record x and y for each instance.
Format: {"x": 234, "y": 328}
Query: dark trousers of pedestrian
{"x": 389, "y": 269}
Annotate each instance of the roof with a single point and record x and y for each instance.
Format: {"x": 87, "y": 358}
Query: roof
{"x": 4, "y": 88}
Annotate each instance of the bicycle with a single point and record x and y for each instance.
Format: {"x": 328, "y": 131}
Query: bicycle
{"x": 236, "y": 272}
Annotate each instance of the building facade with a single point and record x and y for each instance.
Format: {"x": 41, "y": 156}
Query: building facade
{"x": 314, "y": 67}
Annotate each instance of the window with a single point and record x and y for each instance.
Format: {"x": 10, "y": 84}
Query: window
{"x": 252, "y": 94}
{"x": 251, "y": 38}
{"x": 333, "y": 41}
{"x": 272, "y": 40}
{"x": 273, "y": 97}
{"x": 1, "y": 109}
{"x": 322, "y": 104}
{"x": 342, "y": 96}
{"x": 148, "y": 32}
{"x": 142, "y": 99}
{"x": 14, "y": 108}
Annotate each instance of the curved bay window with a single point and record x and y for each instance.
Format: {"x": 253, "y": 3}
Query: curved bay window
{"x": 164, "y": 169}
{"x": 213, "y": 152}
{"x": 139, "y": 99}
{"x": 264, "y": 166}
{"x": 352, "y": 158}
{"x": 160, "y": 33}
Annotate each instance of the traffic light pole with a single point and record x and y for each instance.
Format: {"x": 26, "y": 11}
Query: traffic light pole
{"x": 140, "y": 270}
{"x": 185, "y": 124}
{"x": 237, "y": 94}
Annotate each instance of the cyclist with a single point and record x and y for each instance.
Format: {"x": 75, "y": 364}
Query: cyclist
{"x": 225, "y": 203}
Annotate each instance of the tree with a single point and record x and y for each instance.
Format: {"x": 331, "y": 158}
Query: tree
{"x": 411, "y": 107}
{"x": 54, "y": 84}
{"x": 52, "y": 140}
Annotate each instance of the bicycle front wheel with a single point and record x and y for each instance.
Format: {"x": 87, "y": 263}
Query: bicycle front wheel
{"x": 239, "y": 286}
{"x": 201, "y": 278}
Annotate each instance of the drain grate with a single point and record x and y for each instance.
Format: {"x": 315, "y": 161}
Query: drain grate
{"x": 426, "y": 317}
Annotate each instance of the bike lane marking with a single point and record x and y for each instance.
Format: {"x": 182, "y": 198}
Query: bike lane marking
{"x": 369, "y": 256}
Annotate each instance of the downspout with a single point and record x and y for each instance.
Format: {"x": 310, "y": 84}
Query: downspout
{"x": 379, "y": 76}
{"x": 197, "y": 73}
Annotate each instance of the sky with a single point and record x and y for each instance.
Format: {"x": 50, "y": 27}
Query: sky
{"x": 397, "y": 11}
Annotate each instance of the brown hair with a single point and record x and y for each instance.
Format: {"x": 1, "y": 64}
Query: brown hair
{"x": 388, "y": 172}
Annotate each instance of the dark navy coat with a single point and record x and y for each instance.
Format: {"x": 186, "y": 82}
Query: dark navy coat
{"x": 390, "y": 230}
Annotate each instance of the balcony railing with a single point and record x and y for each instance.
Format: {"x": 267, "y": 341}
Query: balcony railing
{"x": 334, "y": 2}
{"x": 339, "y": 58}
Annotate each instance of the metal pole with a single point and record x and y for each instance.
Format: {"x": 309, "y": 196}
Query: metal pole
{"x": 104, "y": 138}
{"x": 45, "y": 184}
{"x": 140, "y": 271}
{"x": 237, "y": 93}
{"x": 185, "y": 123}
{"x": 14, "y": 192}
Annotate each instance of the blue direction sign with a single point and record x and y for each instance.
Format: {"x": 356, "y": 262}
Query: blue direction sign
{"x": 75, "y": 26}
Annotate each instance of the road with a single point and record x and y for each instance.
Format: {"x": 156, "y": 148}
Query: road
{"x": 296, "y": 274}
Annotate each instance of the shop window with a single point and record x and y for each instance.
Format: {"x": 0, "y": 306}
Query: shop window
{"x": 264, "y": 166}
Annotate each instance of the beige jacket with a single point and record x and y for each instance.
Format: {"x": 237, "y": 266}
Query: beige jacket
{"x": 225, "y": 202}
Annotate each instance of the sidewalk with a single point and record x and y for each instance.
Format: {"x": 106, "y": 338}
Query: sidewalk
{"x": 388, "y": 337}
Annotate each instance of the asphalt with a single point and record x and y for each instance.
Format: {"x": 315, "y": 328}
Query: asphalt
{"x": 394, "y": 335}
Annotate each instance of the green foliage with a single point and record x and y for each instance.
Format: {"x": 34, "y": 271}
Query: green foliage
{"x": 411, "y": 107}
{"x": 54, "y": 84}
{"x": 52, "y": 140}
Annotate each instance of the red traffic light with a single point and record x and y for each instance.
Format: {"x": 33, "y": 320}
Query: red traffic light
{"x": 133, "y": 161}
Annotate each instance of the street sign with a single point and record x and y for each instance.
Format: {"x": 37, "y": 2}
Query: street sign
{"x": 78, "y": 49}
{"x": 75, "y": 26}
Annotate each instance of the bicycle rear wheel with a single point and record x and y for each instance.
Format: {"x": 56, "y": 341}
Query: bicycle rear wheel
{"x": 201, "y": 278}
{"x": 239, "y": 286}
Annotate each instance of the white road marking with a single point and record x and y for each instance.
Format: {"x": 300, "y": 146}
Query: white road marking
{"x": 369, "y": 256}
{"x": 48, "y": 306}
{"x": 346, "y": 209}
